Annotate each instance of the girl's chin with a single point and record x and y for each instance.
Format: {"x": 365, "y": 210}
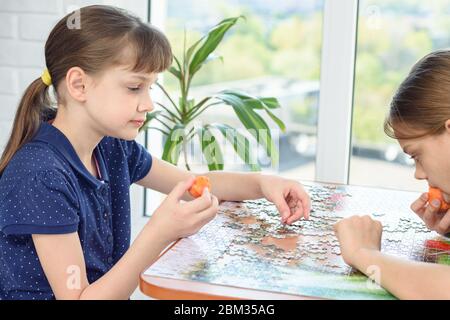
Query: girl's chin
{"x": 128, "y": 134}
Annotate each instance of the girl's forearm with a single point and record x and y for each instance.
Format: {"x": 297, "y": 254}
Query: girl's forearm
{"x": 122, "y": 280}
{"x": 229, "y": 186}
{"x": 406, "y": 279}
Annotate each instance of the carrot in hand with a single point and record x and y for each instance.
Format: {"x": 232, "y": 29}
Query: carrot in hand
{"x": 435, "y": 193}
{"x": 199, "y": 185}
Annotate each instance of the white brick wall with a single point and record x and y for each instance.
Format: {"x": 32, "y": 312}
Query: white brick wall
{"x": 41, "y": 6}
{"x": 24, "y": 28}
{"x": 8, "y": 25}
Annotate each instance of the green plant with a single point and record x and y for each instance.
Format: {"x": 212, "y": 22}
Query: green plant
{"x": 177, "y": 118}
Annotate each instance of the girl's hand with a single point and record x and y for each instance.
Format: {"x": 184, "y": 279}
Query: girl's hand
{"x": 429, "y": 213}
{"x": 289, "y": 197}
{"x": 356, "y": 234}
{"x": 175, "y": 219}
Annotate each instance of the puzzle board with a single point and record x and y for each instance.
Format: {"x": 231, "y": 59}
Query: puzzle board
{"x": 247, "y": 246}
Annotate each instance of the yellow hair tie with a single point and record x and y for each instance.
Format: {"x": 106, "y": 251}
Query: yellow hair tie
{"x": 46, "y": 78}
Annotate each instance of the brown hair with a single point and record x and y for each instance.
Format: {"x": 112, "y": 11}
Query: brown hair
{"x": 421, "y": 105}
{"x": 105, "y": 37}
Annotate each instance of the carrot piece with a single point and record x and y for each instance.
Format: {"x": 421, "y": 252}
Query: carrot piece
{"x": 435, "y": 193}
{"x": 200, "y": 183}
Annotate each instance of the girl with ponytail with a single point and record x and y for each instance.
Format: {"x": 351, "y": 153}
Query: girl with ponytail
{"x": 71, "y": 159}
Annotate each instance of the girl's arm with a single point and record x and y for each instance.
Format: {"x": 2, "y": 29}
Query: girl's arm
{"x": 230, "y": 186}
{"x": 62, "y": 259}
{"x": 289, "y": 197}
{"x": 360, "y": 240}
{"x": 406, "y": 279}
{"x": 163, "y": 176}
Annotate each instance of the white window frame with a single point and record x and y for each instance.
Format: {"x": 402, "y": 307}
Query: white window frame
{"x": 157, "y": 13}
{"x": 336, "y": 91}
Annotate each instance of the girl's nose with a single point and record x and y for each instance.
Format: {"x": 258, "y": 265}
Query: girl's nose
{"x": 146, "y": 104}
{"x": 420, "y": 174}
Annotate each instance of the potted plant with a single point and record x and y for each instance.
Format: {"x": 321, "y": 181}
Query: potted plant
{"x": 177, "y": 118}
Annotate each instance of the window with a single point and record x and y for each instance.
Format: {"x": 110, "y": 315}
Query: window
{"x": 392, "y": 36}
{"x": 275, "y": 51}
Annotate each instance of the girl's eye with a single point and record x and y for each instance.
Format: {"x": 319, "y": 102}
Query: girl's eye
{"x": 134, "y": 89}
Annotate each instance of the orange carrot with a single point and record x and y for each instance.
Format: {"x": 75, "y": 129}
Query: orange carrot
{"x": 435, "y": 193}
{"x": 199, "y": 185}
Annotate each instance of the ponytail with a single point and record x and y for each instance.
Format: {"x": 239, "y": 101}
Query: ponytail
{"x": 34, "y": 107}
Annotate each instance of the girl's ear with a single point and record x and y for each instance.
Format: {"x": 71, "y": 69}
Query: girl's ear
{"x": 447, "y": 125}
{"x": 76, "y": 83}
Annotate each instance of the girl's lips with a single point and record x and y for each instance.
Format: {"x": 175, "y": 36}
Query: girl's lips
{"x": 138, "y": 123}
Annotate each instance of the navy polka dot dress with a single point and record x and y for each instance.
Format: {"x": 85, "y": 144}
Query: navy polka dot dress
{"x": 46, "y": 189}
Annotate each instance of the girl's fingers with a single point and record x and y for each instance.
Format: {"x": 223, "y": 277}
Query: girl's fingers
{"x": 180, "y": 189}
{"x": 305, "y": 200}
{"x": 301, "y": 200}
{"x": 443, "y": 225}
{"x": 418, "y": 206}
{"x": 283, "y": 207}
{"x": 298, "y": 213}
{"x": 210, "y": 213}
{"x": 302, "y": 205}
{"x": 199, "y": 204}
{"x": 431, "y": 213}
{"x": 299, "y": 205}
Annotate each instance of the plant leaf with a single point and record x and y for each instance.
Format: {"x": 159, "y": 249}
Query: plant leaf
{"x": 210, "y": 43}
{"x": 240, "y": 143}
{"x": 270, "y": 102}
{"x": 275, "y": 119}
{"x": 149, "y": 117}
{"x": 173, "y": 144}
{"x": 190, "y": 104}
{"x": 211, "y": 150}
{"x": 255, "y": 102}
{"x": 175, "y": 72}
{"x": 259, "y": 103}
{"x": 197, "y": 107}
{"x": 253, "y": 123}
{"x": 178, "y": 63}
{"x": 191, "y": 50}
